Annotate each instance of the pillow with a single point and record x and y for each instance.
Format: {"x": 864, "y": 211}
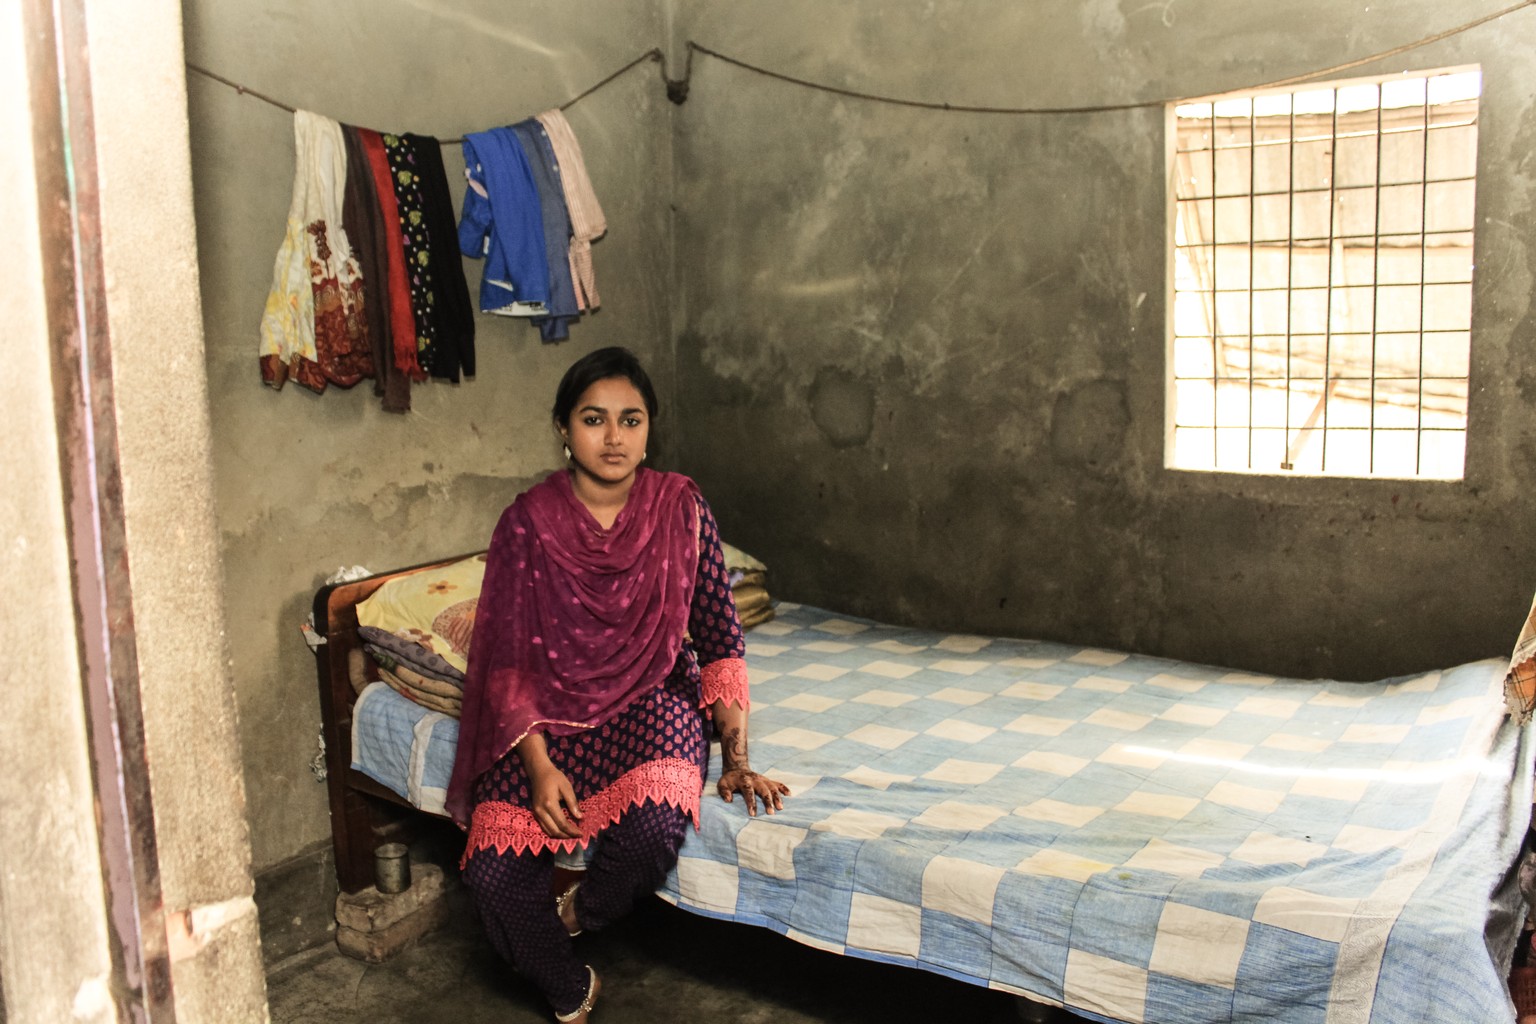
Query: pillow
{"x": 749, "y": 586}
{"x": 738, "y": 560}
{"x": 433, "y": 607}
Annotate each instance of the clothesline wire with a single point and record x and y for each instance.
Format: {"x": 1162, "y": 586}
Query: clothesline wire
{"x": 1327, "y": 72}
{"x": 653, "y": 54}
{"x": 679, "y": 88}
{"x": 243, "y": 90}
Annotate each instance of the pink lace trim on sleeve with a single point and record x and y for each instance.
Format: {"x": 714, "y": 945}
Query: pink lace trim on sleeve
{"x": 498, "y": 825}
{"x": 725, "y": 680}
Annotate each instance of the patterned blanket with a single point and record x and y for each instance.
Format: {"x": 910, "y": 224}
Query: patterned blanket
{"x": 1138, "y": 839}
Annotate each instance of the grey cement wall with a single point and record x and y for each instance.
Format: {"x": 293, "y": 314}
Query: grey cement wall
{"x": 921, "y": 353}
{"x": 306, "y": 483}
{"x": 916, "y": 357}
{"x": 164, "y": 442}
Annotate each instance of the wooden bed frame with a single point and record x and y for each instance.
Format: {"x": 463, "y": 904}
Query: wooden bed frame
{"x": 363, "y": 812}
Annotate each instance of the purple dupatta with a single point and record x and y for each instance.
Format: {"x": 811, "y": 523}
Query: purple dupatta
{"x": 574, "y": 621}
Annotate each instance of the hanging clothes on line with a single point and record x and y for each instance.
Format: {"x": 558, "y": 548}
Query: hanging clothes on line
{"x": 587, "y": 221}
{"x": 364, "y": 222}
{"x": 395, "y": 282}
{"x": 502, "y": 224}
{"x": 555, "y": 326}
{"x": 413, "y": 239}
{"x": 426, "y": 275}
{"x": 314, "y": 327}
{"x": 530, "y": 212}
{"x": 454, "y": 316}
{"x": 369, "y": 279}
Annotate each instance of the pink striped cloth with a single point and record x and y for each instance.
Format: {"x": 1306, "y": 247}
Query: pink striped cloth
{"x": 587, "y": 221}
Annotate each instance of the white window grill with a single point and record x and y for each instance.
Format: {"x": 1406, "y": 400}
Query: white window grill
{"x": 1322, "y": 277}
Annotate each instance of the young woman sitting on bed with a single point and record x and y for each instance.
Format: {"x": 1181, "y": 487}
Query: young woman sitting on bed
{"x": 604, "y": 636}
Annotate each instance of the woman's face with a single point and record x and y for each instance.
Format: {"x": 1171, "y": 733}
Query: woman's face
{"x": 608, "y": 431}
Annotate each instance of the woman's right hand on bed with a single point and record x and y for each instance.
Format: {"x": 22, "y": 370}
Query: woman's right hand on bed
{"x": 554, "y": 803}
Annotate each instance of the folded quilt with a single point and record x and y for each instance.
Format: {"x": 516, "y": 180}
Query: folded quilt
{"x": 409, "y": 652}
{"x": 445, "y": 689}
{"x": 433, "y": 702}
{"x": 749, "y": 598}
{"x": 755, "y": 618}
{"x": 748, "y": 578}
{"x": 735, "y": 558}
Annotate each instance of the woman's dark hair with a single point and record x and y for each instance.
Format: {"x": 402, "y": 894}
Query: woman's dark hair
{"x": 603, "y": 364}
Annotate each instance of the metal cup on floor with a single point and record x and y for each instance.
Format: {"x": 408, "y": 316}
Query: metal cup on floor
{"x": 392, "y": 867}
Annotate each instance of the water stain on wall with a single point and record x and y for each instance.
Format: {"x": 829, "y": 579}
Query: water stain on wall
{"x": 1089, "y": 424}
{"x": 842, "y": 407}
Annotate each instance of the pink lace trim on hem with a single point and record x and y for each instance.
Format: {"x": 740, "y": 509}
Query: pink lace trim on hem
{"x": 724, "y": 680}
{"x": 499, "y": 825}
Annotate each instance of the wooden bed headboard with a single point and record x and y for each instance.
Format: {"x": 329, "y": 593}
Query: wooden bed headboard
{"x": 363, "y": 812}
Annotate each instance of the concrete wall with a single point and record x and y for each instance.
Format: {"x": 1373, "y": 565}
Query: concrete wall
{"x": 916, "y": 356}
{"x": 921, "y": 353}
{"x": 54, "y": 931}
{"x": 107, "y": 192}
{"x": 306, "y": 483}
{"x": 164, "y": 442}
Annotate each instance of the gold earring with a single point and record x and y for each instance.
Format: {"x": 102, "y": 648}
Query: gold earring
{"x": 567, "y": 453}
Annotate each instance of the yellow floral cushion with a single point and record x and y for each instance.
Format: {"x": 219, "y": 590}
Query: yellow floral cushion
{"x": 434, "y": 608}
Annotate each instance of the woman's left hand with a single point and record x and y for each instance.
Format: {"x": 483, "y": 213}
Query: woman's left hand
{"x": 754, "y": 787}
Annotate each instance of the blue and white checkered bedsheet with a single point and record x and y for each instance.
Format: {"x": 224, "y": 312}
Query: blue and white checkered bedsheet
{"x": 404, "y": 746}
{"x": 1138, "y": 839}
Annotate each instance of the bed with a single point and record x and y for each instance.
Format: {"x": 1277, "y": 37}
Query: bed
{"x": 1133, "y": 838}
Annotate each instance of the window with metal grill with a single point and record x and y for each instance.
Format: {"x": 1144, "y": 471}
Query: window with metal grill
{"x": 1322, "y": 277}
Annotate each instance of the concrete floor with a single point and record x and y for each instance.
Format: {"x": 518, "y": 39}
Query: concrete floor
{"x": 661, "y": 964}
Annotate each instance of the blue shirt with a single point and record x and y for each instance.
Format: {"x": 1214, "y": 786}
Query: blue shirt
{"x": 504, "y": 224}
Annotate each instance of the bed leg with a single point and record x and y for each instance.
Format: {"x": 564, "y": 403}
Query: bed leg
{"x": 359, "y": 823}
{"x": 352, "y": 834}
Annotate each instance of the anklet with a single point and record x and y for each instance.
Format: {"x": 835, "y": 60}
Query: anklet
{"x": 560, "y": 904}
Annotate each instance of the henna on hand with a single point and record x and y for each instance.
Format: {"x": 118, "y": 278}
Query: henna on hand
{"x": 733, "y": 749}
{"x": 754, "y": 787}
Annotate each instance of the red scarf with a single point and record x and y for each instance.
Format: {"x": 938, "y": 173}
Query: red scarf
{"x": 574, "y": 621}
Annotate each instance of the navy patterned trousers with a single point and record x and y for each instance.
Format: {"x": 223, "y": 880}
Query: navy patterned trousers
{"x": 512, "y": 893}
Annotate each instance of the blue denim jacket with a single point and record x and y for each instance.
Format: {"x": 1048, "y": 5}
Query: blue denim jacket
{"x": 502, "y": 221}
